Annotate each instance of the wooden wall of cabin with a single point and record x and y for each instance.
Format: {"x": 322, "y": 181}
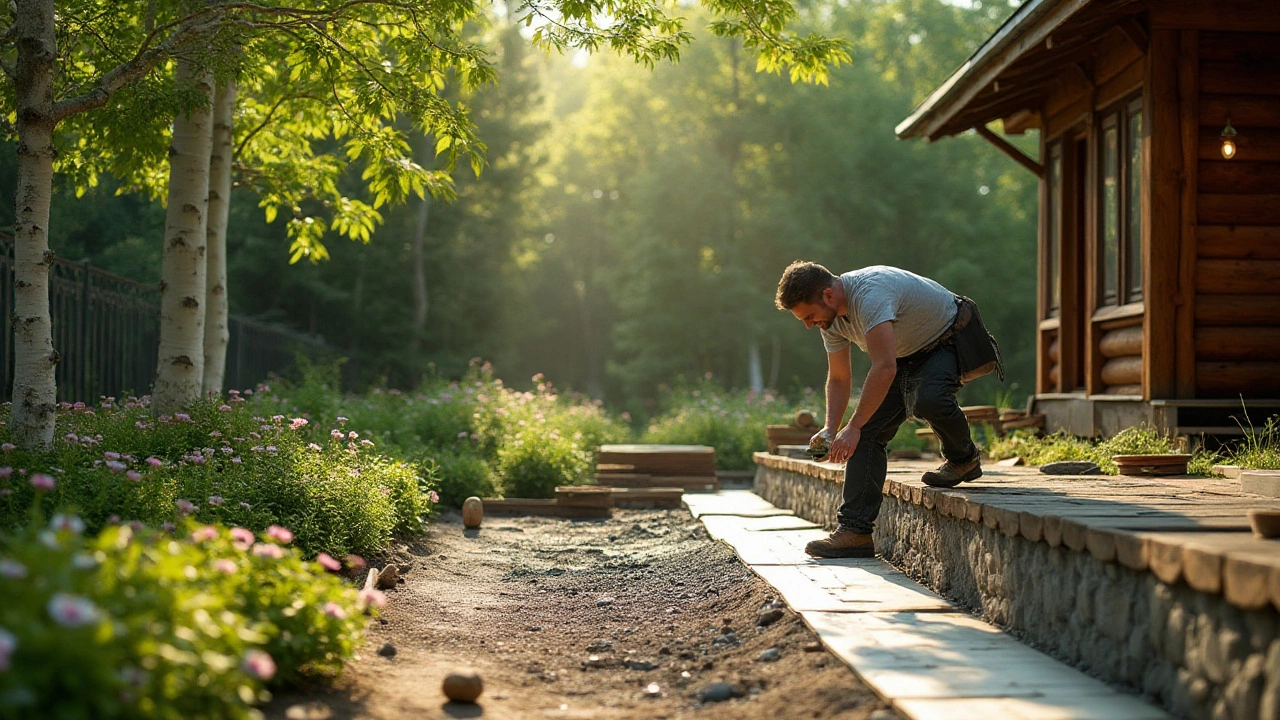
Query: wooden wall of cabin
{"x": 1087, "y": 344}
{"x": 1237, "y": 217}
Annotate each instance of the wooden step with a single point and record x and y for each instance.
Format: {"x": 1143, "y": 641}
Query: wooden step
{"x": 647, "y": 497}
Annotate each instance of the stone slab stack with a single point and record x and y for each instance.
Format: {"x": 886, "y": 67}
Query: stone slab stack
{"x": 691, "y": 468}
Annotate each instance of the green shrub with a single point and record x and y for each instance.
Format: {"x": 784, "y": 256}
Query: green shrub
{"x": 533, "y": 463}
{"x": 142, "y": 624}
{"x": 221, "y": 462}
{"x": 1140, "y": 440}
{"x": 460, "y": 476}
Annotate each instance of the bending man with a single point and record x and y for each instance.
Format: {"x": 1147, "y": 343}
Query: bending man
{"x": 925, "y": 342}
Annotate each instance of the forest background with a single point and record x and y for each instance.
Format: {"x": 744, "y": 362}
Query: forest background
{"x": 631, "y": 223}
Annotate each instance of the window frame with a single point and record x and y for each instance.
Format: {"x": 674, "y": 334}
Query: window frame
{"x": 1128, "y": 207}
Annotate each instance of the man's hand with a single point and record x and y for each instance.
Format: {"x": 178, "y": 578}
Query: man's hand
{"x": 845, "y": 443}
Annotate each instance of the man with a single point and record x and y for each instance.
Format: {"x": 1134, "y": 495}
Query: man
{"x": 925, "y": 342}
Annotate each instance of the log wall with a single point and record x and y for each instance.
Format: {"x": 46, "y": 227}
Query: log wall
{"x": 1237, "y": 273}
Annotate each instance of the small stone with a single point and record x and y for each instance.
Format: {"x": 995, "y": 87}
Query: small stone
{"x": 664, "y": 651}
{"x": 1071, "y": 467}
{"x": 640, "y": 665}
{"x": 387, "y": 650}
{"x": 773, "y": 654}
{"x": 813, "y": 647}
{"x": 653, "y": 690}
{"x": 596, "y": 646}
{"x": 463, "y": 685}
{"x": 718, "y": 692}
{"x": 883, "y": 714}
{"x": 388, "y": 577}
{"x": 308, "y": 711}
{"x": 604, "y": 602}
{"x": 769, "y": 617}
{"x": 729, "y": 638}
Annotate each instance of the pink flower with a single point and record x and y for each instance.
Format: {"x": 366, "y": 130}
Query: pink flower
{"x": 355, "y": 561}
{"x": 72, "y": 438}
{"x": 342, "y": 420}
{"x": 12, "y": 569}
{"x": 116, "y": 466}
{"x": 258, "y": 665}
{"x": 111, "y": 455}
{"x": 328, "y": 562}
{"x": 268, "y": 550}
{"x": 245, "y": 505}
{"x": 67, "y": 523}
{"x": 8, "y": 643}
{"x": 313, "y": 447}
{"x": 168, "y": 526}
{"x": 186, "y": 507}
{"x": 225, "y": 566}
{"x": 297, "y": 423}
{"x": 71, "y": 610}
{"x": 367, "y": 443}
{"x": 236, "y": 460}
{"x": 280, "y": 534}
{"x": 353, "y": 435}
{"x": 182, "y": 417}
{"x": 216, "y": 500}
{"x": 40, "y": 481}
{"x": 242, "y": 535}
{"x": 224, "y": 408}
{"x": 6, "y": 447}
{"x": 370, "y": 597}
{"x": 154, "y": 462}
{"x": 5, "y": 472}
{"x": 335, "y": 434}
{"x": 434, "y": 496}
{"x": 215, "y": 433}
{"x": 208, "y": 532}
{"x": 335, "y": 611}
{"x": 272, "y": 449}
{"x": 134, "y": 475}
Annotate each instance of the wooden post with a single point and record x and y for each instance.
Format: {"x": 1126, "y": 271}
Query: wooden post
{"x": 1189, "y": 116}
{"x": 1162, "y": 211}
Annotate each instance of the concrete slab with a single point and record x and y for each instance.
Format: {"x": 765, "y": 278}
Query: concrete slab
{"x": 731, "y": 502}
{"x": 1070, "y": 706}
{"x": 774, "y": 548}
{"x": 719, "y": 526}
{"x": 870, "y": 585}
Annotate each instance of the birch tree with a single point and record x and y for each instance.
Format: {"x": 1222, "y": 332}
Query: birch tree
{"x": 216, "y": 331}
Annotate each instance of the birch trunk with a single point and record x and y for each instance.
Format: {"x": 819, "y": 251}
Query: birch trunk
{"x": 34, "y": 386}
{"x": 216, "y": 332}
{"x": 180, "y": 366}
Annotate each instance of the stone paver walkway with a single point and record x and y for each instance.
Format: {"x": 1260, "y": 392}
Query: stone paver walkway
{"x": 931, "y": 661}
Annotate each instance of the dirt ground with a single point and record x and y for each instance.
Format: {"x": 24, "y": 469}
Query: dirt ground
{"x": 630, "y": 618}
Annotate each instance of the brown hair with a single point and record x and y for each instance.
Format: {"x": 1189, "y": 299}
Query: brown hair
{"x": 802, "y": 282}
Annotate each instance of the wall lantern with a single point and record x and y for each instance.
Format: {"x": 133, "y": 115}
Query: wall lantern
{"x": 1228, "y": 140}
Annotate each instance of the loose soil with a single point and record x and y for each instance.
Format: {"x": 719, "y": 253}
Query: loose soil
{"x": 562, "y": 618}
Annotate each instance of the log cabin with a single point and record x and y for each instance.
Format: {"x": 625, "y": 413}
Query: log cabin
{"x": 1159, "y": 210}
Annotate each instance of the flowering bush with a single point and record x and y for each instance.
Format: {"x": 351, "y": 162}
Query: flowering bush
{"x": 224, "y": 461}
{"x": 481, "y": 436}
{"x": 733, "y": 422}
{"x": 140, "y": 623}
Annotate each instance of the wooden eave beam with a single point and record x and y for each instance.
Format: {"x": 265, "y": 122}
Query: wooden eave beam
{"x": 1137, "y": 34}
{"x": 1005, "y": 147}
{"x": 1216, "y": 16}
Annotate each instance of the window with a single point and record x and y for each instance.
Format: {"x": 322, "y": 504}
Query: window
{"x": 1053, "y": 249}
{"x": 1120, "y": 205}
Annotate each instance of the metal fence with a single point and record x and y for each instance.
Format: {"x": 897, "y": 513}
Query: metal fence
{"x": 106, "y": 329}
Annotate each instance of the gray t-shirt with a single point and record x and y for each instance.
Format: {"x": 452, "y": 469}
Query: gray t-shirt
{"x": 920, "y": 308}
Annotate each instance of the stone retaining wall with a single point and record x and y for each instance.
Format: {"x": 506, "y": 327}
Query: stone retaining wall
{"x": 1198, "y": 655}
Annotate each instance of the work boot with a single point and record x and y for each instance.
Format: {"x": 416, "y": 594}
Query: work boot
{"x": 842, "y": 544}
{"x": 952, "y": 474}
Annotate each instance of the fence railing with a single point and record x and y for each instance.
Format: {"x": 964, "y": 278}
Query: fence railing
{"x": 106, "y": 329}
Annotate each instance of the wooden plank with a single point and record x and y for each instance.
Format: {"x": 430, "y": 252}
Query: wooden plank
{"x": 1125, "y": 82}
{"x": 1237, "y": 310}
{"x": 1246, "y": 111}
{"x": 1256, "y": 242}
{"x": 1122, "y": 370}
{"x": 1238, "y": 177}
{"x": 1161, "y": 206}
{"x": 1121, "y": 342}
{"x": 1240, "y": 46}
{"x": 1237, "y": 343}
{"x": 1241, "y": 209}
{"x": 1256, "y": 144}
{"x": 1236, "y": 78}
{"x": 1259, "y": 378}
{"x": 1117, "y": 53}
{"x": 1184, "y": 361}
{"x": 1237, "y": 277}
{"x": 1219, "y": 15}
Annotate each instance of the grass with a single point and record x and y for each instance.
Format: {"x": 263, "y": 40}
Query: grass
{"x": 1140, "y": 440}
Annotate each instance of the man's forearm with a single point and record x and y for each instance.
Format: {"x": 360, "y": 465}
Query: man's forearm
{"x": 837, "y": 401}
{"x": 874, "y": 390}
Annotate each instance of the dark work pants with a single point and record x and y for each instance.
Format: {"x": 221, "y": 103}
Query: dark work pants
{"x": 925, "y": 387}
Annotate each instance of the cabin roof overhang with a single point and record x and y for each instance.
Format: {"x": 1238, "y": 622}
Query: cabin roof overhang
{"x": 1011, "y": 71}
